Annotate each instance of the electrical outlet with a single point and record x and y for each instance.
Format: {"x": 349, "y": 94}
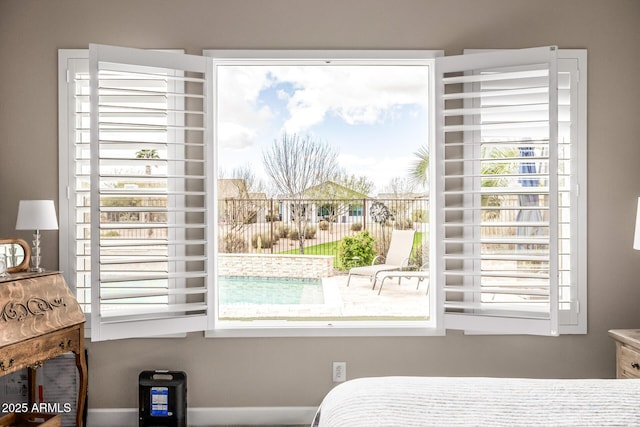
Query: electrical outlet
{"x": 339, "y": 372}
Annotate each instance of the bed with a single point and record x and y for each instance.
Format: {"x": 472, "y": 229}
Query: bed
{"x": 464, "y": 401}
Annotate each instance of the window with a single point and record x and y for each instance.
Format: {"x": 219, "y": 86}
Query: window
{"x": 503, "y": 223}
{"x": 273, "y": 109}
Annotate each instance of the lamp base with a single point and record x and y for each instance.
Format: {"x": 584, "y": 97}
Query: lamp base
{"x": 35, "y": 254}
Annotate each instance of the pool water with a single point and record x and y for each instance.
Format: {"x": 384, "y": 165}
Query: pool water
{"x": 269, "y": 290}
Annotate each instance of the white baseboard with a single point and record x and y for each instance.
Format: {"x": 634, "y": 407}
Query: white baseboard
{"x": 205, "y": 417}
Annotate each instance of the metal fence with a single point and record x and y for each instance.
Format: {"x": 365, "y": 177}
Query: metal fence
{"x": 312, "y": 226}
{"x": 276, "y": 225}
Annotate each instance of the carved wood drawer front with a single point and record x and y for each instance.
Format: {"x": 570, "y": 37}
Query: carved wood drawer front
{"x": 33, "y": 352}
{"x": 34, "y": 306}
{"x": 629, "y": 362}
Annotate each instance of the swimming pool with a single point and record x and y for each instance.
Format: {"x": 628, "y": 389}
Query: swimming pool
{"x": 269, "y": 290}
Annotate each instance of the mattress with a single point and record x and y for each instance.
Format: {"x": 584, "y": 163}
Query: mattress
{"x": 464, "y": 401}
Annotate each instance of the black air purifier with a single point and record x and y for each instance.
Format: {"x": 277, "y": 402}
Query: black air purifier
{"x": 162, "y": 399}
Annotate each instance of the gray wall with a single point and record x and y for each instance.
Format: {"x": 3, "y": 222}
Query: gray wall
{"x": 296, "y": 371}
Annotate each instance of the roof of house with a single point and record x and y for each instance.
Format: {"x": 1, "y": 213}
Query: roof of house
{"x": 330, "y": 189}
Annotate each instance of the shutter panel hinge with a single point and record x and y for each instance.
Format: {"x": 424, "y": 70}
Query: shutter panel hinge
{"x": 67, "y": 71}
{"x": 68, "y": 193}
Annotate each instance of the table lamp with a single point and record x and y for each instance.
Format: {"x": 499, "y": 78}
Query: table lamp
{"x": 36, "y": 215}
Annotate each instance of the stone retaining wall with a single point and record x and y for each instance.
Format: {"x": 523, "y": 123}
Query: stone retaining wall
{"x": 267, "y": 265}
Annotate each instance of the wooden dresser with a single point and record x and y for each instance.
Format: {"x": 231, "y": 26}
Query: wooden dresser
{"x": 39, "y": 320}
{"x": 627, "y": 352}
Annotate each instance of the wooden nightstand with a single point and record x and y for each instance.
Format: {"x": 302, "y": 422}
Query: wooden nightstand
{"x": 627, "y": 352}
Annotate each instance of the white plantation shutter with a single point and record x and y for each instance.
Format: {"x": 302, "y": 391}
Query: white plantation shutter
{"x": 496, "y": 212}
{"x": 75, "y": 254}
{"x": 151, "y": 154}
{"x": 572, "y": 190}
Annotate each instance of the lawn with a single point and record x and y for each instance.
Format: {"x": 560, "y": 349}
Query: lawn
{"x": 331, "y": 248}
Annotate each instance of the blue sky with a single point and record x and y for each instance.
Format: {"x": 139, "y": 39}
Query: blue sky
{"x": 374, "y": 116}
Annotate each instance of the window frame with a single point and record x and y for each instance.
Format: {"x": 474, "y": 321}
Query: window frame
{"x": 67, "y": 238}
{"x": 321, "y": 57}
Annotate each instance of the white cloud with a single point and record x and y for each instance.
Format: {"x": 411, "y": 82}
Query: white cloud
{"x": 239, "y": 115}
{"x": 304, "y": 96}
{"x": 283, "y": 95}
{"x": 235, "y": 136}
{"x": 357, "y": 94}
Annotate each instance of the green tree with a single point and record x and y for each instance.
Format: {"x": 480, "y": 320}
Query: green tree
{"x": 147, "y": 153}
{"x": 495, "y": 171}
{"x": 360, "y": 184}
{"x": 419, "y": 172}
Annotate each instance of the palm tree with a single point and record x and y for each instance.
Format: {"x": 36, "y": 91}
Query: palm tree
{"x": 494, "y": 173}
{"x": 419, "y": 174}
{"x": 492, "y": 170}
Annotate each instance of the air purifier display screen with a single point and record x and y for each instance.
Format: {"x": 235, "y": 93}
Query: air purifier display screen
{"x": 160, "y": 401}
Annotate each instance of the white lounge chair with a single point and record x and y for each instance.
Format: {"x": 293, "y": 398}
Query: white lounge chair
{"x": 421, "y": 274}
{"x": 397, "y": 257}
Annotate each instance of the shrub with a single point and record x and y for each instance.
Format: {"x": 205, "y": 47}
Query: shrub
{"x": 420, "y": 215}
{"x": 323, "y": 225}
{"x": 265, "y": 241}
{"x": 356, "y": 226}
{"x": 403, "y": 224}
{"x": 293, "y": 234}
{"x": 383, "y": 239}
{"x": 357, "y": 250}
{"x": 310, "y": 232}
{"x": 282, "y": 231}
{"x": 232, "y": 243}
{"x": 420, "y": 256}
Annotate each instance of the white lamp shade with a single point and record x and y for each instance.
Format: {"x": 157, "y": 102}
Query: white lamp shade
{"x": 636, "y": 239}
{"x": 36, "y": 215}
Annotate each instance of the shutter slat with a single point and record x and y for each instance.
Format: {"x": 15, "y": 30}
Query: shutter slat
{"x": 505, "y": 274}
{"x": 133, "y": 259}
{"x": 160, "y": 311}
{"x": 143, "y": 276}
{"x": 123, "y": 294}
{"x": 495, "y": 126}
{"x": 495, "y": 93}
{"x": 489, "y": 77}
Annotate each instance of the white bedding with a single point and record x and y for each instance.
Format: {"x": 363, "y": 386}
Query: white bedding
{"x": 464, "y": 401}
